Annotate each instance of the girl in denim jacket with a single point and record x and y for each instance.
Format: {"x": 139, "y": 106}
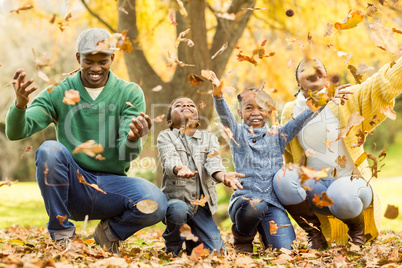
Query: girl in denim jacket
{"x": 191, "y": 166}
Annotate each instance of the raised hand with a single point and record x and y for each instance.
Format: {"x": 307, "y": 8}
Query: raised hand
{"x": 218, "y": 85}
{"x": 184, "y": 172}
{"x": 21, "y": 88}
{"x": 341, "y": 93}
{"x": 230, "y": 180}
{"x": 139, "y": 127}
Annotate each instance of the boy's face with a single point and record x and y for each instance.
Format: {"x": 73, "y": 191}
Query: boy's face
{"x": 251, "y": 113}
{"x": 95, "y": 68}
{"x": 313, "y": 82}
{"x": 183, "y": 109}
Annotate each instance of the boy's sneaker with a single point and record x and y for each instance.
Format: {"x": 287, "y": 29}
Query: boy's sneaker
{"x": 102, "y": 240}
{"x": 65, "y": 242}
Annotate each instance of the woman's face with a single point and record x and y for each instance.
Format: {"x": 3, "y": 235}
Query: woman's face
{"x": 183, "y": 109}
{"x": 309, "y": 81}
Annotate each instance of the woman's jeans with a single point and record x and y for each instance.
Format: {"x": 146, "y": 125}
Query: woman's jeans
{"x": 201, "y": 223}
{"x": 350, "y": 196}
{"x": 65, "y": 196}
{"x": 247, "y": 219}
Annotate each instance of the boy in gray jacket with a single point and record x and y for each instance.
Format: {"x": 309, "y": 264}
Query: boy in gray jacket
{"x": 191, "y": 165}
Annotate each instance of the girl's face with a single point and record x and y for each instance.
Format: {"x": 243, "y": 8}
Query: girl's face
{"x": 313, "y": 82}
{"x": 183, "y": 109}
{"x": 252, "y": 114}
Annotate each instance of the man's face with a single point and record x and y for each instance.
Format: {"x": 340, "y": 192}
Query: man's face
{"x": 95, "y": 68}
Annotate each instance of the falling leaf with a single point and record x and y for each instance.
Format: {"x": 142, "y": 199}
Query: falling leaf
{"x": 26, "y": 151}
{"x": 306, "y": 173}
{"x": 310, "y": 153}
{"x": 391, "y": 212}
{"x": 129, "y": 103}
{"x": 334, "y": 173}
{"x": 223, "y": 48}
{"x": 384, "y": 37}
{"x": 202, "y": 201}
{"x": 273, "y": 227}
{"x": 363, "y": 68}
{"x": 371, "y": 9}
{"x": 251, "y": 130}
{"x": 61, "y": 218}
{"x": 159, "y": 118}
{"x": 181, "y": 38}
{"x": 89, "y": 148}
{"x": 202, "y": 105}
{"x": 100, "y": 157}
{"x": 358, "y": 77}
{"x": 182, "y": 10}
{"x": 147, "y": 206}
{"x": 226, "y": 133}
{"x": 118, "y": 41}
{"x": 185, "y": 231}
{"x": 213, "y": 154}
{"x": 195, "y": 79}
{"x": 341, "y": 161}
{"x": 83, "y": 181}
{"x": 226, "y": 16}
{"x": 398, "y": 31}
{"x": 157, "y": 88}
{"x": 241, "y": 57}
{"x": 176, "y": 60}
{"x": 383, "y": 154}
{"x": 322, "y": 201}
{"x": 355, "y": 119}
{"x": 388, "y": 112}
{"x": 25, "y": 7}
{"x": 328, "y": 144}
{"x": 198, "y": 252}
{"x": 253, "y": 8}
{"x": 71, "y": 97}
{"x": 265, "y": 101}
{"x": 360, "y": 139}
{"x": 361, "y": 159}
{"x": 328, "y": 29}
{"x": 316, "y": 100}
{"x": 172, "y": 18}
{"x": 191, "y": 124}
{"x": 252, "y": 201}
{"x": 5, "y": 182}
{"x": 351, "y": 20}
{"x": 72, "y": 72}
{"x": 374, "y": 167}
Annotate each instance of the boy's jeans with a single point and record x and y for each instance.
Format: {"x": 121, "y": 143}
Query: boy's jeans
{"x": 202, "y": 226}
{"x": 247, "y": 219}
{"x": 65, "y": 196}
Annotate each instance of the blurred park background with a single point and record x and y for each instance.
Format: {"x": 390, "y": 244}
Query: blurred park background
{"x": 40, "y": 36}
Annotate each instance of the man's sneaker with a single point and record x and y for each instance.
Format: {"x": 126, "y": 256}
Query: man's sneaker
{"x": 102, "y": 240}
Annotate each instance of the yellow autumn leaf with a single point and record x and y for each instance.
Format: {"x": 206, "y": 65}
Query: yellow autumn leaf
{"x": 351, "y": 20}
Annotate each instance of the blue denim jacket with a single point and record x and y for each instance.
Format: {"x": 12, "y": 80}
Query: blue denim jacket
{"x": 196, "y": 154}
{"x": 259, "y": 156}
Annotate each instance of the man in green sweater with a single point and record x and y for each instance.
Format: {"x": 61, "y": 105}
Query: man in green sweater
{"x": 107, "y": 121}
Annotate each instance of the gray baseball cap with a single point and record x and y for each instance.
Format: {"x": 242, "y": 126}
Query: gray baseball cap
{"x": 87, "y": 42}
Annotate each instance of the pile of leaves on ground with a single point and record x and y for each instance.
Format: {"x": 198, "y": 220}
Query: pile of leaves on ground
{"x": 32, "y": 247}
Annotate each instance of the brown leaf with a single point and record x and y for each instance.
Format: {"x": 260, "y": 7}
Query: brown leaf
{"x": 214, "y": 154}
{"x": 198, "y": 252}
{"x": 147, "y": 206}
{"x": 241, "y": 57}
{"x": 25, "y": 7}
{"x": 389, "y": 112}
{"x": 334, "y": 173}
{"x": 371, "y": 9}
{"x": 383, "y": 154}
{"x": 355, "y": 119}
{"x": 341, "y": 161}
{"x": 89, "y": 148}
{"x": 358, "y": 77}
{"x": 83, "y": 181}
{"x": 191, "y": 124}
{"x": 226, "y": 133}
{"x": 195, "y": 79}
{"x": 391, "y": 212}
{"x": 363, "y": 68}
{"x": 384, "y": 37}
{"x": 273, "y": 227}
{"x": 202, "y": 201}
{"x": 185, "y": 231}
{"x": 351, "y": 20}
{"x": 71, "y": 97}
{"x": 360, "y": 138}
{"x": 61, "y": 218}
{"x": 26, "y": 151}
{"x": 328, "y": 144}
{"x": 323, "y": 201}
{"x": 252, "y": 201}
{"x": 223, "y": 48}
{"x": 202, "y": 105}
{"x": 159, "y": 118}
{"x": 5, "y": 182}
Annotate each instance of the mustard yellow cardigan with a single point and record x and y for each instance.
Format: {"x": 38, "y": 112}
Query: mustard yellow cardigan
{"x": 379, "y": 90}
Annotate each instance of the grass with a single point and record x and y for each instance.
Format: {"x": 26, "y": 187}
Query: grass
{"x": 22, "y": 204}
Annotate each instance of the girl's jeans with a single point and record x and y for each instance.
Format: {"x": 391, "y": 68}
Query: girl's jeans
{"x": 202, "y": 226}
{"x": 247, "y": 219}
{"x": 65, "y": 196}
{"x": 350, "y": 196}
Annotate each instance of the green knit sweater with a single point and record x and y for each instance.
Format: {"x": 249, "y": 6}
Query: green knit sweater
{"x": 105, "y": 120}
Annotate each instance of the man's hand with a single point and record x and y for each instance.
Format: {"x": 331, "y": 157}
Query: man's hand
{"x": 230, "y": 180}
{"x": 21, "y": 88}
{"x": 139, "y": 127}
{"x": 184, "y": 172}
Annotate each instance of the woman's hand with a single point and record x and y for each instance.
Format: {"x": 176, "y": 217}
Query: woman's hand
{"x": 341, "y": 93}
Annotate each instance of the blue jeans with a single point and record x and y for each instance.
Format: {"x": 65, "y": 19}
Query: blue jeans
{"x": 64, "y": 195}
{"x": 350, "y": 196}
{"x": 202, "y": 226}
{"x": 247, "y": 219}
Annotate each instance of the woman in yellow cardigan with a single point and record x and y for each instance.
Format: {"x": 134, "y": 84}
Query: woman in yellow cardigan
{"x": 356, "y": 205}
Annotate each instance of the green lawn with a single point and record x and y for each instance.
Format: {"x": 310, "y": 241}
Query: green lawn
{"x": 21, "y": 204}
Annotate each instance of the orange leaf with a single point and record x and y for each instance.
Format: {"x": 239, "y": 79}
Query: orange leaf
{"x": 198, "y": 252}
{"x": 358, "y": 77}
{"x": 89, "y": 148}
{"x": 351, "y": 20}
{"x": 83, "y": 181}
{"x": 392, "y": 212}
{"x": 391, "y": 114}
{"x": 195, "y": 79}
{"x": 273, "y": 227}
{"x": 241, "y": 57}
{"x": 71, "y": 97}
{"x": 202, "y": 201}
{"x": 5, "y": 182}
{"x": 185, "y": 231}
{"x": 99, "y": 157}
{"x": 306, "y": 173}
{"x": 341, "y": 161}
{"x": 252, "y": 201}
{"x": 323, "y": 201}
{"x": 214, "y": 154}
{"x": 26, "y": 7}
{"x": 61, "y": 218}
